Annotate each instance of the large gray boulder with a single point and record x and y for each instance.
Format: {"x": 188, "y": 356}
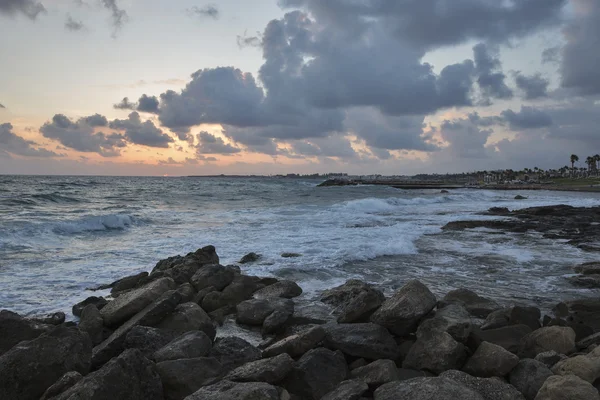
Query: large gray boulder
{"x": 341, "y": 295}
{"x": 227, "y": 390}
{"x": 528, "y": 377}
{"x": 204, "y": 256}
{"x": 15, "y": 329}
{"x": 436, "y": 353}
{"x": 454, "y": 319}
{"x": 348, "y": 390}
{"x": 31, "y": 367}
{"x": 488, "y": 388}
{"x": 130, "y": 376}
{"x": 298, "y": 344}
{"x": 270, "y": 370}
{"x": 99, "y": 302}
{"x": 586, "y": 367}
{"x": 477, "y": 306}
{"x": 377, "y": 373}
{"x": 529, "y": 316}
{"x": 192, "y": 344}
{"x": 490, "y": 360}
{"x": 91, "y": 322}
{"x": 67, "y": 381}
{"x": 241, "y": 288}
{"x": 255, "y": 311}
{"x": 508, "y": 337}
{"x": 180, "y": 378}
{"x": 558, "y": 338}
{"x": 402, "y": 312}
{"x": 233, "y": 352}
{"x": 188, "y": 317}
{"x": 367, "y": 340}
{"x": 285, "y": 289}
{"x": 566, "y": 387}
{"x": 497, "y": 319}
{"x": 550, "y": 358}
{"x": 214, "y": 275}
{"x": 128, "y": 304}
{"x": 355, "y": 301}
{"x": 146, "y": 339}
{"x": 426, "y": 389}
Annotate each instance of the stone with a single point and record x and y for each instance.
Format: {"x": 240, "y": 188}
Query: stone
{"x": 343, "y": 294}
{"x": 187, "y": 292}
{"x": 180, "y": 378}
{"x": 490, "y": 360}
{"x": 585, "y": 281}
{"x": 488, "y": 388}
{"x": 255, "y": 311}
{"x": 227, "y": 390}
{"x": 241, "y": 288}
{"x": 199, "y": 297}
{"x": 406, "y": 374}
{"x": 585, "y": 367}
{"x": 285, "y": 289}
{"x": 590, "y": 268}
{"x": 366, "y": 340}
{"x": 275, "y": 321}
{"x": 476, "y": 305}
{"x": 436, "y": 353}
{"x": 426, "y": 389}
{"x": 529, "y": 316}
{"x": 566, "y": 387}
{"x": 550, "y": 358}
{"x": 91, "y": 322}
{"x": 528, "y": 377}
{"x": 204, "y": 256}
{"x": 519, "y": 197}
{"x": 497, "y": 319}
{"x": 348, "y": 390}
{"x": 188, "y": 317}
{"x": 214, "y": 275}
{"x": 129, "y": 282}
{"x": 146, "y": 339}
{"x": 270, "y": 370}
{"x": 31, "y": 367}
{"x": 99, "y": 302}
{"x": 233, "y": 352}
{"x": 588, "y": 341}
{"x": 249, "y": 258}
{"x": 508, "y": 337}
{"x": 298, "y": 344}
{"x": 377, "y": 373}
{"x": 15, "y": 329}
{"x": 128, "y": 304}
{"x": 361, "y": 307}
{"x": 402, "y": 312}
{"x": 359, "y": 362}
{"x": 192, "y": 344}
{"x": 219, "y": 315}
{"x": 290, "y": 255}
{"x": 65, "y": 382}
{"x": 453, "y": 319}
{"x": 557, "y": 338}
{"x": 56, "y": 318}
{"x": 585, "y": 312}
{"x": 317, "y": 373}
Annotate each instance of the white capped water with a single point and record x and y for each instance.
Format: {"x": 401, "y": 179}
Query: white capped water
{"x": 61, "y": 235}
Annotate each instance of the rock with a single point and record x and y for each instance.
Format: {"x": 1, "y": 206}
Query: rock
{"x": 444, "y": 191}
{"x": 15, "y": 329}
{"x": 341, "y": 295}
{"x": 199, "y": 297}
{"x": 591, "y": 268}
{"x": 317, "y": 373}
{"x": 550, "y": 358}
{"x": 585, "y": 367}
{"x": 56, "y": 318}
{"x": 286, "y": 289}
{"x": 270, "y": 370}
{"x": 528, "y": 377}
{"x": 588, "y": 341}
{"x": 67, "y": 381}
{"x": 529, "y": 316}
{"x": 91, "y": 322}
{"x": 348, "y": 390}
{"x": 275, "y": 321}
{"x": 233, "y": 352}
{"x": 204, "y": 256}
{"x": 519, "y": 197}
{"x": 560, "y": 310}
{"x": 361, "y": 307}
{"x": 568, "y": 387}
{"x": 181, "y": 378}
{"x": 226, "y": 390}
{"x": 126, "y": 283}
{"x": 497, "y": 319}
{"x": 508, "y": 337}
{"x": 585, "y": 281}
{"x": 402, "y": 312}
{"x": 146, "y": 339}
{"x": 368, "y": 340}
{"x": 557, "y": 338}
{"x": 193, "y": 344}
{"x": 476, "y": 305}
{"x": 377, "y": 373}
{"x": 250, "y": 257}
{"x": 298, "y": 344}
{"x": 488, "y": 388}
{"x": 219, "y": 315}
{"x": 99, "y": 302}
{"x": 188, "y": 317}
{"x": 128, "y": 304}
{"x": 290, "y": 255}
{"x": 215, "y": 275}
{"x": 585, "y": 312}
{"x": 454, "y": 319}
{"x": 187, "y": 292}
{"x": 241, "y": 288}
{"x": 255, "y": 311}
{"x": 490, "y": 360}
{"x": 437, "y": 352}
{"x": 181, "y": 273}
{"x": 405, "y": 374}
{"x": 426, "y": 389}
{"x": 31, "y": 367}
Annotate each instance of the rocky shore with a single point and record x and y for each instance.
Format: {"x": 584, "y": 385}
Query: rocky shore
{"x": 163, "y": 335}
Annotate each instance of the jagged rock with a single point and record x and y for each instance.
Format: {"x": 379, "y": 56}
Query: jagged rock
{"x": 128, "y": 304}
{"x": 508, "y": 337}
{"x": 585, "y": 281}
{"x": 402, "y": 312}
{"x": 497, "y": 319}
{"x": 199, "y": 297}
{"x": 519, "y": 197}
{"x": 14, "y": 329}
{"x": 476, "y": 305}
{"x": 189, "y": 345}
{"x": 99, "y": 302}
{"x": 490, "y": 360}
{"x": 123, "y": 284}
{"x": 585, "y": 367}
{"x": 91, "y": 322}
{"x": 488, "y": 388}
{"x": 568, "y": 387}
{"x": 377, "y": 373}
{"x": 214, "y": 275}
{"x": 290, "y": 255}
{"x": 219, "y": 315}
{"x": 130, "y": 376}
{"x": 426, "y": 389}
{"x": 250, "y": 257}
{"x": 188, "y": 317}
{"x": 233, "y": 352}
{"x": 590, "y": 268}
{"x": 585, "y": 312}
{"x": 368, "y": 340}
{"x": 529, "y": 316}
{"x": 67, "y": 381}
{"x": 550, "y": 358}
{"x": 270, "y": 370}
{"x": 56, "y": 318}
{"x": 187, "y": 292}
{"x": 146, "y": 339}
{"x": 341, "y": 295}
{"x": 557, "y": 338}
{"x": 275, "y": 321}
{"x": 204, "y": 256}
{"x": 226, "y": 390}
{"x": 298, "y": 344}
{"x": 348, "y": 390}
{"x": 31, "y": 367}
{"x": 317, "y": 373}
{"x": 437, "y": 352}
{"x": 241, "y": 288}
{"x": 588, "y": 341}
{"x": 528, "y": 377}
{"x": 180, "y": 378}
{"x": 285, "y": 289}
{"x": 355, "y": 301}
{"x": 454, "y": 319}
{"x": 255, "y": 311}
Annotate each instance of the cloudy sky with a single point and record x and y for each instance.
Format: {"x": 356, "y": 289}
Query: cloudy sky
{"x": 153, "y": 87}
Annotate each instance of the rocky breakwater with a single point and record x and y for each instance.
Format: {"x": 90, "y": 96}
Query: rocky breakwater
{"x": 159, "y": 337}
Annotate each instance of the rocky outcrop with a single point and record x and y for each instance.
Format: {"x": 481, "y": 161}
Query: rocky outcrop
{"x": 14, "y": 329}
{"x": 354, "y": 301}
{"x": 233, "y": 352}
{"x": 488, "y": 388}
{"x": 146, "y": 339}
{"x": 453, "y": 319}
{"x": 368, "y": 340}
{"x": 348, "y": 390}
{"x": 67, "y": 381}
{"x": 187, "y": 317}
{"x": 91, "y": 322}
{"x": 215, "y": 275}
{"x": 586, "y": 367}
{"x": 508, "y": 337}
{"x": 99, "y": 302}
{"x": 249, "y": 258}
{"x": 270, "y": 313}
{"x": 377, "y": 373}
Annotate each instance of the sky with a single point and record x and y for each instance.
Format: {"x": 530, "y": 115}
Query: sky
{"x": 397, "y": 87}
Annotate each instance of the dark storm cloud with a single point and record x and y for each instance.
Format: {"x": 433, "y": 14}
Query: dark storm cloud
{"x": 142, "y": 133}
{"x": 534, "y": 86}
{"x": 118, "y": 16}
{"x": 14, "y": 144}
{"x": 211, "y": 144}
{"x": 207, "y": 11}
{"x": 488, "y": 67}
{"x": 73, "y": 25}
{"x": 29, "y": 8}
{"x": 527, "y": 118}
{"x": 95, "y": 120}
{"x": 337, "y": 146}
{"x": 148, "y": 104}
{"x": 465, "y": 139}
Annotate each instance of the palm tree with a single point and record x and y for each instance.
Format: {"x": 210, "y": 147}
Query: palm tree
{"x": 589, "y": 161}
{"x": 574, "y": 159}
{"x": 596, "y": 159}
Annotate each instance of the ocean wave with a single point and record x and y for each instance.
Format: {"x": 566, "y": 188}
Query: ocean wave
{"x": 55, "y": 198}
{"x": 95, "y": 223}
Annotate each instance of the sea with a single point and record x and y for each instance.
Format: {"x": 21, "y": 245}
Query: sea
{"x": 61, "y": 235}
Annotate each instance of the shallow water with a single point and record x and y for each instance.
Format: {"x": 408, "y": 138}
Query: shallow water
{"x": 60, "y": 235}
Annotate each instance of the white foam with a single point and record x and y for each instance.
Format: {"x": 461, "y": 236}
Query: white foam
{"x": 95, "y": 223}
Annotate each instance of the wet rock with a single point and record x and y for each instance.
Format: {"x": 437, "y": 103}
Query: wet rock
{"x": 270, "y": 370}
{"x": 437, "y": 352}
{"x": 476, "y": 305}
{"x": 528, "y": 377}
{"x": 285, "y": 289}
{"x": 508, "y": 337}
{"x": 241, "y": 288}
{"x": 56, "y": 318}
{"x": 550, "y": 358}
{"x": 227, "y": 390}
{"x": 588, "y": 341}
{"x": 360, "y": 362}
{"x": 249, "y": 258}
{"x": 406, "y": 374}
{"x": 187, "y": 292}
{"x": 193, "y": 344}
{"x": 188, "y": 317}
{"x": 557, "y": 338}
{"x": 497, "y": 319}
{"x": 99, "y": 302}
{"x": 368, "y": 340}
{"x": 14, "y": 329}
{"x": 31, "y": 367}
{"x": 585, "y": 281}
{"x": 519, "y": 197}
{"x": 67, "y": 381}
{"x": 567, "y": 387}
{"x": 426, "y": 389}
{"x": 128, "y": 304}
{"x": 529, "y": 316}
{"x": 215, "y": 275}
{"x": 488, "y": 388}
{"x": 180, "y": 378}
{"x": 341, "y": 295}
{"x": 453, "y": 319}
{"x": 348, "y": 390}
{"x": 275, "y": 321}
{"x": 377, "y": 373}
{"x": 298, "y": 344}
{"x": 402, "y": 312}
{"x": 591, "y": 268}
{"x": 233, "y": 352}
{"x": 255, "y": 311}
{"x": 204, "y": 256}
{"x": 130, "y": 376}
{"x": 290, "y": 255}
{"x": 490, "y": 360}
{"x": 146, "y": 339}
{"x": 91, "y": 322}
{"x": 129, "y": 282}
{"x": 317, "y": 373}
{"x": 219, "y": 315}
{"x": 361, "y": 307}
{"x": 199, "y": 297}
{"x": 585, "y": 367}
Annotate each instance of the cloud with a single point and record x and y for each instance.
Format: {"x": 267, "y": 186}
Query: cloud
{"x": 527, "y": 118}
{"x": 2, "y": 106}
{"x": 73, "y": 25}
{"x": 142, "y": 133}
{"x": 337, "y": 146}
{"x": 124, "y": 104}
{"x": 11, "y": 143}
{"x": 244, "y": 40}
{"x": 211, "y": 144}
{"x": 534, "y": 86}
{"x": 489, "y": 70}
{"x": 148, "y": 104}
{"x": 119, "y": 16}
{"x": 465, "y": 139}
{"x": 30, "y": 8}
{"x": 207, "y": 11}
